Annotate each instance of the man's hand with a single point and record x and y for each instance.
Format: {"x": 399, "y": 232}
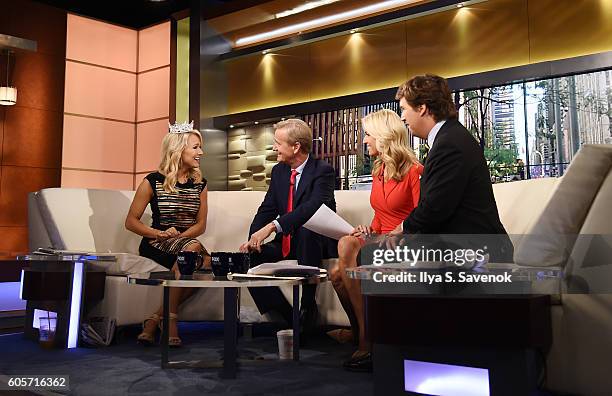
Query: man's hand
{"x": 257, "y": 239}
{"x": 393, "y": 238}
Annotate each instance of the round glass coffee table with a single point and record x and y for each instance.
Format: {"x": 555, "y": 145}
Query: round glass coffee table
{"x": 230, "y": 285}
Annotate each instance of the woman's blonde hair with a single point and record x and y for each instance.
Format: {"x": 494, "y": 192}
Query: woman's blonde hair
{"x": 391, "y": 142}
{"x": 171, "y": 151}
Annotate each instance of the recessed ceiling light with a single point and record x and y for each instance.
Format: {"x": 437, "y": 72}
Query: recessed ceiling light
{"x": 265, "y": 51}
{"x": 283, "y": 119}
{"x": 326, "y": 20}
{"x": 353, "y": 31}
{"x": 460, "y": 5}
{"x": 256, "y": 122}
{"x": 231, "y": 126}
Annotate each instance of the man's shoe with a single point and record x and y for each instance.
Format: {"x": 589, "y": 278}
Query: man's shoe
{"x": 308, "y": 320}
{"x": 361, "y": 363}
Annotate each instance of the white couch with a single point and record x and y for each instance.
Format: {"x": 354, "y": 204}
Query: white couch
{"x": 578, "y": 203}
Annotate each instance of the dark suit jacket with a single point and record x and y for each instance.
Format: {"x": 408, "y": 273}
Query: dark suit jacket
{"x": 456, "y": 192}
{"x": 316, "y": 187}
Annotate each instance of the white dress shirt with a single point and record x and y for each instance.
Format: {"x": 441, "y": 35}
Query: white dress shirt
{"x": 433, "y": 133}
{"x": 299, "y": 170}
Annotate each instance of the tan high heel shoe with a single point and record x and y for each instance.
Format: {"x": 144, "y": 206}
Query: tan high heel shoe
{"x": 173, "y": 342}
{"x": 145, "y": 338}
{"x": 342, "y": 336}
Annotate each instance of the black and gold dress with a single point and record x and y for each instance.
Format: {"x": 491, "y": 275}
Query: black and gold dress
{"x": 178, "y": 210}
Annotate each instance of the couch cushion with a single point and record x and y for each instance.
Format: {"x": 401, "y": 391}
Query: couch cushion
{"x": 128, "y": 264}
{"x": 519, "y": 202}
{"x": 550, "y": 238}
{"x": 230, "y": 214}
{"x": 354, "y": 206}
{"x": 591, "y": 260}
{"x": 89, "y": 219}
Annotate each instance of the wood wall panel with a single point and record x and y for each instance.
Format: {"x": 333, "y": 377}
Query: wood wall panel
{"x": 564, "y": 29}
{"x": 35, "y": 21}
{"x": 486, "y": 36}
{"x": 31, "y": 131}
{"x": 274, "y": 79}
{"x": 491, "y": 35}
{"x": 349, "y": 63}
{"x": 33, "y": 137}
{"x": 36, "y": 73}
{"x": 2, "y": 113}
{"x": 17, "y": 182}
{"x": 14, "y": 241}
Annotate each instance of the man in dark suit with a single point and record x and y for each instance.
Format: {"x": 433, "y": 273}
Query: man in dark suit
{"x": 299, "y": 185}
{"x": 456, "y": 192}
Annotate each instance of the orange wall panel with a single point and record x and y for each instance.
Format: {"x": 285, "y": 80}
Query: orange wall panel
{"x": 102, "y": 180}
{"x": 101, "y": 43}
{"x": 99, "y": 92}
{"x": 98, "y": 144}
{"x": 154, "y": 94}
{"x": 150, "y": 135}
{"x": 154, "y": 47}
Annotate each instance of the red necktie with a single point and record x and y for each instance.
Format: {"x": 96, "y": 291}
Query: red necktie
{"x": 287, "y": 237}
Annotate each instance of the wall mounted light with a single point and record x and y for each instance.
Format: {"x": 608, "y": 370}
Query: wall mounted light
{"x": 8, "y": 94}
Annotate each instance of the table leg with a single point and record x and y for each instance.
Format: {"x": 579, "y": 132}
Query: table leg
{"x": 296, "y": 322}
{"x": 230, "y": 322}
{"x": 165, "y": 329}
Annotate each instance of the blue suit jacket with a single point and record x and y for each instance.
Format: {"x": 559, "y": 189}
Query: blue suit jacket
{"x": 316, "y": 187}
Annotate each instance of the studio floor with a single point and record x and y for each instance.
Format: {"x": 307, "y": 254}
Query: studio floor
{"x": 128, "y": 368}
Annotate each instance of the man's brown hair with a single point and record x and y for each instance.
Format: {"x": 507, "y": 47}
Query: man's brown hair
{"x": 432, "y": 91}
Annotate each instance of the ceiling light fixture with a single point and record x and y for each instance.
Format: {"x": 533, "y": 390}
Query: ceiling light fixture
{"x": 265, "y": 51}
{"x": 8, "y": 94}
{"x": 304, "y": 7}
{"x": 256, "y": 122}
{"x": 459, "y": 5}
{"x": 318, "y": 22}
{"x": 231, "y": 126}
{"x": 353, "y": 31}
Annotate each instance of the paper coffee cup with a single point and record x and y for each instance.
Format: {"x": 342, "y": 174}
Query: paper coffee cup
{"x": 285, "y": 344}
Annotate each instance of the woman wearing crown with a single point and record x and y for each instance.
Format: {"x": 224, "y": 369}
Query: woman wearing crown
{"x": 177, "y": 194}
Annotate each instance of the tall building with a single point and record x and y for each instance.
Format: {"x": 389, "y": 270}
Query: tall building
{"x": 503, "y": 117}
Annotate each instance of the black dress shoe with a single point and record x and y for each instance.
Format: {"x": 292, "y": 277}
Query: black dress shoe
{"x": 308, "y": 320}
{"x": 362, "y": 363}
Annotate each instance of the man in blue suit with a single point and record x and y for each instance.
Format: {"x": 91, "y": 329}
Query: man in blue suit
{"x": 299, "y": 185}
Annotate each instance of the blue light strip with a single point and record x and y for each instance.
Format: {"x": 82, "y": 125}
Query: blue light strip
{"x": 75, "y": 305}
{"x": 21, "y": 285}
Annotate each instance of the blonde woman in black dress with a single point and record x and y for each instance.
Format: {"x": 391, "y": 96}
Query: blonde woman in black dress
{"x": 177, "y": 194}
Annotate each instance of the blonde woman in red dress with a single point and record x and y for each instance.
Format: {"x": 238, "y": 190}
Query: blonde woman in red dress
{"x": 395, "y": 193}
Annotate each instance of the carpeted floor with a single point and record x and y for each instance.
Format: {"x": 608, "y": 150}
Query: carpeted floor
{"x": 127, "y": 368}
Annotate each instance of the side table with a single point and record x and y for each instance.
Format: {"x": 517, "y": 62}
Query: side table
{"x": 61, "y": 283}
